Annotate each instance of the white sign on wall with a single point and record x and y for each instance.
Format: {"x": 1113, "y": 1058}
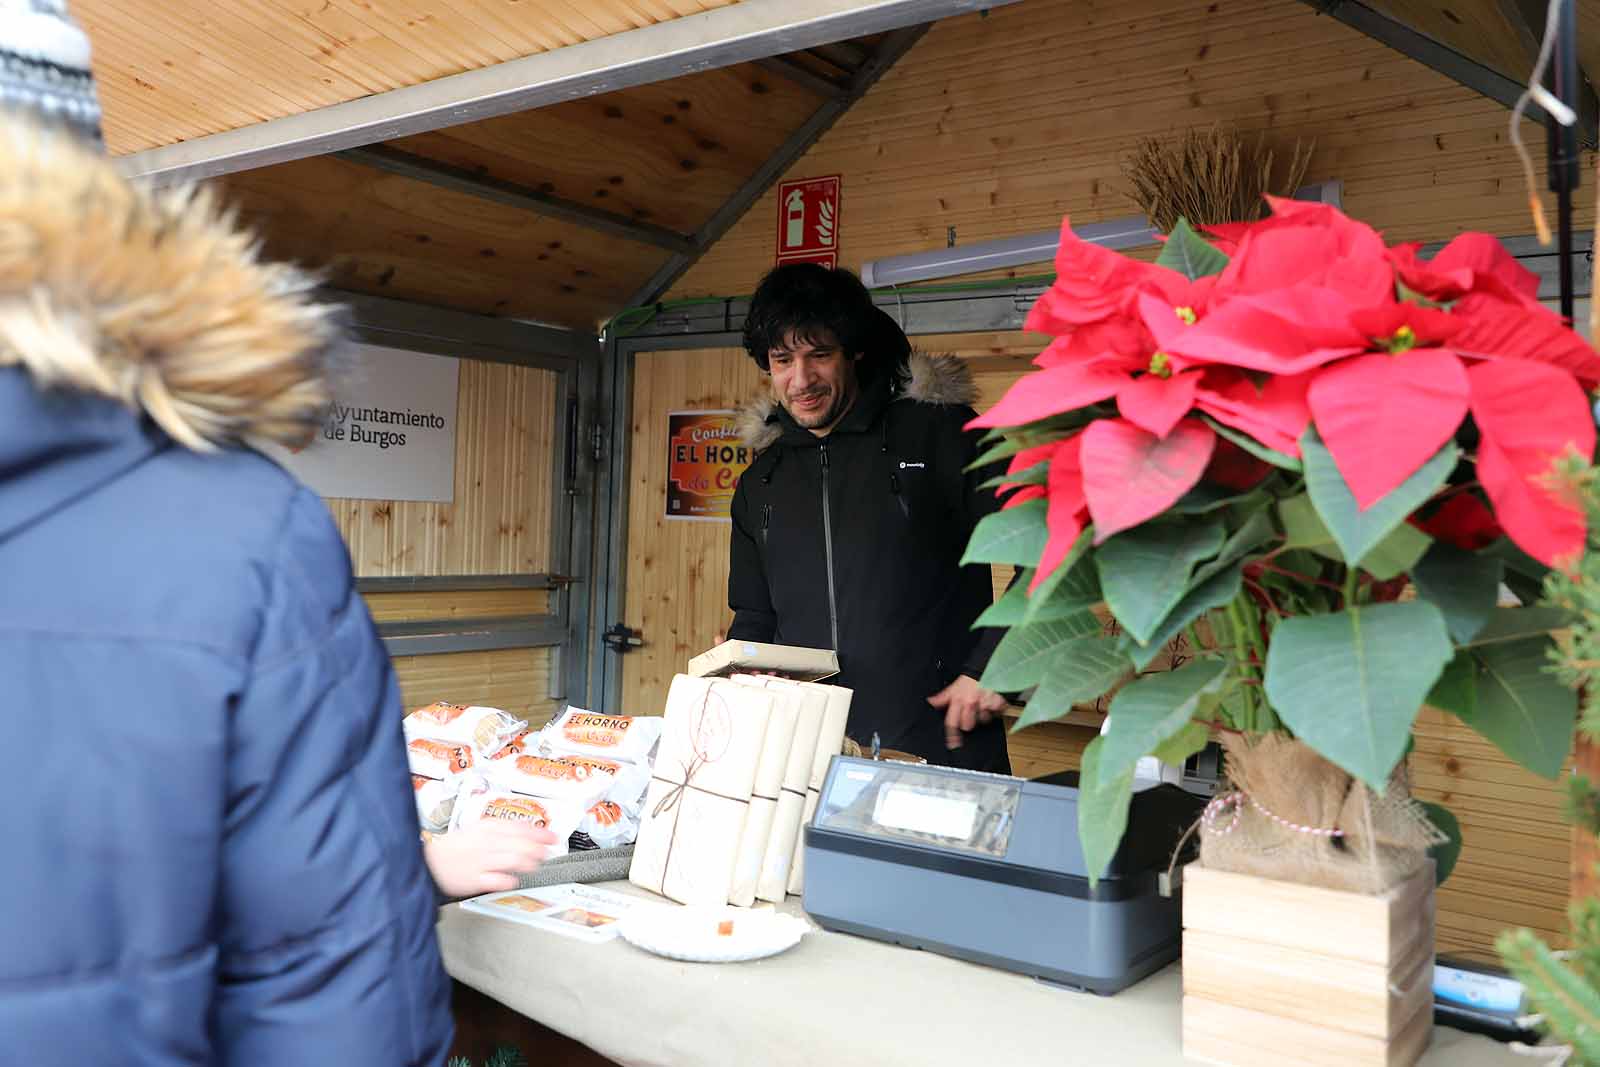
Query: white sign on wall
{"x": 391, "y": 433}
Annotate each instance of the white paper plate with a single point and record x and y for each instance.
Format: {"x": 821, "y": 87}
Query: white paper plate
{"x": 692, "y": 933}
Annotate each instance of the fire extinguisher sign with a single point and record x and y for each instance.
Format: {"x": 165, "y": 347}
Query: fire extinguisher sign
{"x": 808, "y": 221}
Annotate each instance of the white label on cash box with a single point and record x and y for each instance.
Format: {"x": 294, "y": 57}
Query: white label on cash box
{"x": 905, "y": 808}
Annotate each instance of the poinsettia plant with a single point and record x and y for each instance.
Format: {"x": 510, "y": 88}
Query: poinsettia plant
{"x": 1251, "y": 448}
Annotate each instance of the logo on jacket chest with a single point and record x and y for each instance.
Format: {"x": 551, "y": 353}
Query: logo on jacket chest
{"x": 908, "y": 465}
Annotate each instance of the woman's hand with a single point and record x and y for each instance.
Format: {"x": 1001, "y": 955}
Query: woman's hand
{"x": 486, "y": 857}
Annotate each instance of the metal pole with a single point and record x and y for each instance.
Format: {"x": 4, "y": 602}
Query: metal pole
{"x": 1562, "y": 142}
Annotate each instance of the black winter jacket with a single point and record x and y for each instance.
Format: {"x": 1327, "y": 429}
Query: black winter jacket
{"x": 853, "y": 542}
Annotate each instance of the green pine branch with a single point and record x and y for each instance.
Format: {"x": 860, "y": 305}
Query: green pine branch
{"x": 506, "y": 1056}
{"x": 1575, "y": 656}
{"x": 1568, "y": 1005}
{"x": 502, "y": 1056}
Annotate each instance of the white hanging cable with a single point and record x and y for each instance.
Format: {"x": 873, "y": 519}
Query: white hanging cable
{"x": 1537, "y": 91}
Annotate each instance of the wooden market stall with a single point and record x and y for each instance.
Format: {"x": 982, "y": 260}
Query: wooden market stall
{"x": 559, "y": 163}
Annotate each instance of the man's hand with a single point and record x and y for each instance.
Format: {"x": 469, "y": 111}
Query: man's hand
{"x": 965, "y": 704}
{"x": 485, "y": 857}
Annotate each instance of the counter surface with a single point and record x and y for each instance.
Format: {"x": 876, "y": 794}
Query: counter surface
{"x": 832, "y": 1000}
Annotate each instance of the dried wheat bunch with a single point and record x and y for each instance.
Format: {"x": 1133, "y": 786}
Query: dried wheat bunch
{"x": 1210, "y": 176}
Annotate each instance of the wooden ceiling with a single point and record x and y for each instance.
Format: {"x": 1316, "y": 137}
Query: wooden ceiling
{"x": 669, "y": 154}
{"x": 1503, "y": 35}
{"x": 653, "y": 164}
{"x": 173, "y": 70}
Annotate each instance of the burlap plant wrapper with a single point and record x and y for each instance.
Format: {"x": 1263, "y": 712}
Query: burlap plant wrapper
{"x": 1292, "y": 816}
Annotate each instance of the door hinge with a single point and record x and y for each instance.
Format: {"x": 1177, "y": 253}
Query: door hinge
{"x": 597, "y": 441}
{"x": 561, "y": 581}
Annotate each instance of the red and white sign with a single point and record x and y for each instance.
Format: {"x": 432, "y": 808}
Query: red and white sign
{"x": 808, "y": 221}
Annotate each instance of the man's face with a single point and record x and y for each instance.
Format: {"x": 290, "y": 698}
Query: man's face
{"x": 813, "y": 380}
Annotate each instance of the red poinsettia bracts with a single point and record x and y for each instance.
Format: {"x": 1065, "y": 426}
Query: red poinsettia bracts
{"x": 1311, "y": 321}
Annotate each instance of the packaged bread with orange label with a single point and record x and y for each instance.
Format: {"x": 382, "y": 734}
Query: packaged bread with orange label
{"x": 581, "y": 778}
{"x": 629, "y": 738}
{"x": 486, "y": 729}
{"x": 559, "y": 816}
{"x": 609, "y": 823}
{"x": 524, "y": 742}
{"x": 432, "y": 757}
{"x": 436, "y": 800}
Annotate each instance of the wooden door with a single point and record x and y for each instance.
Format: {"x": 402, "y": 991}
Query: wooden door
{"x": 676, "y": 592}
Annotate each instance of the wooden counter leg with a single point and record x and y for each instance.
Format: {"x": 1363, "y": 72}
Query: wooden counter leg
{"x": 483, "y": 1024}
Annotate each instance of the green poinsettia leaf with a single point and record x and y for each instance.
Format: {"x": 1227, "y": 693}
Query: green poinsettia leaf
{"x": 1006, "y": 448}
{"x": 1103, "y": 799}
{"x": 1397, "y": 553}
{"x": 1212, "y": 585}
{"x": 1015, "y": 535}
{"x": 1304, "y": 529}
{"x": 1212, "y": 593}
{"x": 1007, "y": 611}
{"x": 1519, "y": 706}
{"x": 1445, "y": 855}
{"x": 1038, "y": 474}
{"x": 1456, "y": 691}
{"x": 1359, "y": 532}
{"x": 1190, "y": 254}
{"x": 1145, "y": 571}
{"x": 1183, "y": 744}
{"x": 1023, "y": 655}
{"x": 1349, "y": 684}
{"x": 1463, "y": 585}
{"x": 1073, "y": 586}
{"x": 1254, "y": 447}
{"x": 1080, "y": 670}
{"x": 1152, "y": 710}
{"x": 1516, "y": 624}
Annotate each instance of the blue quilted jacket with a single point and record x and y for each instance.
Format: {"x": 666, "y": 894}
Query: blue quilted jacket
{"x": 210, "y": 853}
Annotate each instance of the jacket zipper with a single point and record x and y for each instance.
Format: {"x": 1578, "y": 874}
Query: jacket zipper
{"x": 827, "y": 547}
{"x": 766, "y": 521}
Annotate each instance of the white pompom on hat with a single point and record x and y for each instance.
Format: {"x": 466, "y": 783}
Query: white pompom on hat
{"x": 44, "y": 66}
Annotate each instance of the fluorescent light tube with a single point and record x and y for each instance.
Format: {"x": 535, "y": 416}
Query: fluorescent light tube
{"x": 1118, "y": 234}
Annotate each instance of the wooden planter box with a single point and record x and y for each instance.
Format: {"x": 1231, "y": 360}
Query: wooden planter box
{"x": 1275, "y": 972}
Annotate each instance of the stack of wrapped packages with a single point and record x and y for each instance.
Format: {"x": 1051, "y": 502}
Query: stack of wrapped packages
{"x": 583, "y": 777}
{"x": 740, "y": 769}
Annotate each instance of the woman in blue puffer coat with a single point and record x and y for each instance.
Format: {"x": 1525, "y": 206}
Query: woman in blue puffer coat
{"x": 210, "y": 852}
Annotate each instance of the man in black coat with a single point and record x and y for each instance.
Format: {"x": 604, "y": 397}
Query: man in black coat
{"x": 848, "y": 529}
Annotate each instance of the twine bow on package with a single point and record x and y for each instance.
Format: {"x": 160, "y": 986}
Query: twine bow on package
{"x": 694, "y": 814}
{"x": 1292, "y": 816}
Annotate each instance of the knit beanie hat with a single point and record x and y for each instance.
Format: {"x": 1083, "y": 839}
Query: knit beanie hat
{"x": 44, "y": 66}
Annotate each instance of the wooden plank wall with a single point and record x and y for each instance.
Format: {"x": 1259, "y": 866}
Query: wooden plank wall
{"x": 515, "y": 679}
{"x": 1514, "y": 865}
{"x": 499, "y": 521}
{"x": 1000, "y": 125}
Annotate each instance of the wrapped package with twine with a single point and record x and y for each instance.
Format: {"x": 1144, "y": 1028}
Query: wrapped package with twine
{"x": 1292, "y": 816}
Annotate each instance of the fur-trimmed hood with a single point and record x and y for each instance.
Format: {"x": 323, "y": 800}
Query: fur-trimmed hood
{"x": 153, "y": 298}
{"x": 943, "y": 380}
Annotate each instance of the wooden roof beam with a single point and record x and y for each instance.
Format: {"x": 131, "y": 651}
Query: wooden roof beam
{"x": 724, "y": 37}
{"x": 484, "y": 187}
{"x": 784, "y": 67}
{"x": 894, "y": 46}
{"x": 846, "y": 55}
{"x": 1460, "y": 68}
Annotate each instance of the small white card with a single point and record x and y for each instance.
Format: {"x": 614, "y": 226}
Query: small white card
{"x": 571, "y": 910}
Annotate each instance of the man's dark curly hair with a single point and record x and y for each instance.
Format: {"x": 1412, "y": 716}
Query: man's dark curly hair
{"x": 808, "y": 300}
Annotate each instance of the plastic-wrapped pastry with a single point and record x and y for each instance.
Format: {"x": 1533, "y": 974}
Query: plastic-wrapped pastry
{"x": 486, "y": 729}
